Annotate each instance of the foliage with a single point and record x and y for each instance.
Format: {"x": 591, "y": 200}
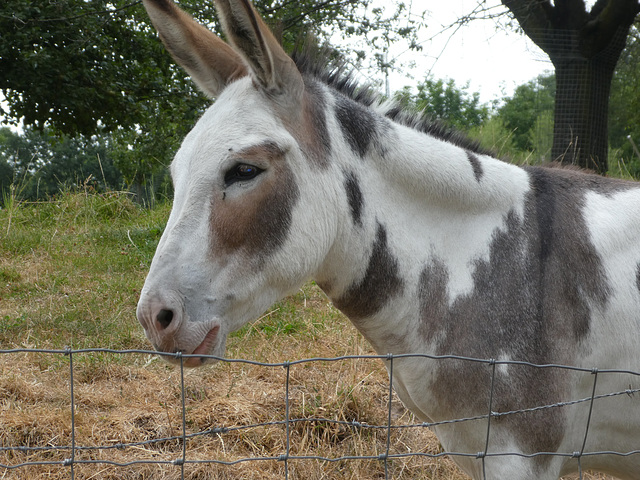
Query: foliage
{"x": 78, "y": 66}
{"x": 105, "y": 72}
{"x": 584, "y": 46}
{"x": 529, "y": 105}
{"x": 105, "y": 68}
{"x": 84, "y": 68}
{"x": 493, "y": 136}
{"x": 624, "y": 108}
{"x": 40, "y": 164}
{"x": 446, "y": 102}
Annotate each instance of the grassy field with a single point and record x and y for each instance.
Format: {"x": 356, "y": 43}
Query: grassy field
{"x": 70, "y": 273}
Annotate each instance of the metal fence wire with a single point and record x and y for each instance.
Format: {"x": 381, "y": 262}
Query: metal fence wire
{"x": 73, "y": 459}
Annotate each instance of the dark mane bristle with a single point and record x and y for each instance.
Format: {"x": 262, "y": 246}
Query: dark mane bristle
{"x": 316, "y": 62}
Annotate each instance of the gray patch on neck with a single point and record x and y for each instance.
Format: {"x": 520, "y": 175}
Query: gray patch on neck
{"x": 357, "y": 123}
{"x": 501, "y": 318}
{"x": 570, "y": 267}
{"x": 531, "y": 301}
{"x": 475, "y": 164}
{"x": 354, "y": 197}
{"x": 380, "y": 283}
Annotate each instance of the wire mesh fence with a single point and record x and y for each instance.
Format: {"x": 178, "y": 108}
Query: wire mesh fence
{"x": 75, "y": 453}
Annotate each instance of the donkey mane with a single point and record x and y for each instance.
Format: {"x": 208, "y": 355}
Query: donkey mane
{"x": 317, "y": 64}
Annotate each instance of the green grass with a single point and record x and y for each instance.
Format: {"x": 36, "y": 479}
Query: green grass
{"x": 71, "y": 270}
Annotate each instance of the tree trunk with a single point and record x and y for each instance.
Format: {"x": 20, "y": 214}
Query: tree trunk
{"x": 580, "y": 134}
{"x": 584, "y": 48}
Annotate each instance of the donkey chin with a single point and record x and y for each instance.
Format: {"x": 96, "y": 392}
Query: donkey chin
{"x": 195, "y": 348}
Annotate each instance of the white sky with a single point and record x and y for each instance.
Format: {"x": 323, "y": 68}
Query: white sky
{"x": 493, "y": 59}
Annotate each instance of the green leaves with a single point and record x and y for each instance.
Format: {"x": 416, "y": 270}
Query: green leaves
{"x": 69, "y": 64}
{"x": 446, "y": 102}
{"x": 529, "y": 101}
{"x": 76, "y": 66}
{"x": 79, "y": 68}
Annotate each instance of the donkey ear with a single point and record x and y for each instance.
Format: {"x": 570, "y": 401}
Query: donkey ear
{"x": 211, "y": 62}
{"x": 246, "y": 31}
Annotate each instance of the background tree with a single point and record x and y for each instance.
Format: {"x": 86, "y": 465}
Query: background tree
{"x": 6, "y": 168}
{"x": 624, "y": 108}
{"x": 38, "y": 164}
{"x": 76, "y": 65}
{"x": 584, "y": 47}
{"x": 446, "y": 102}
{"x": 79, "y": 67}
{"x": 527, "y": 109}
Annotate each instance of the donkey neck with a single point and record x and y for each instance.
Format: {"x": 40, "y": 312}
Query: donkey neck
{"x": 411, "y": 200}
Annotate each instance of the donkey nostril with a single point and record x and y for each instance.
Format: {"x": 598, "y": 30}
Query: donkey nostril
{"x": 164, "y": 318}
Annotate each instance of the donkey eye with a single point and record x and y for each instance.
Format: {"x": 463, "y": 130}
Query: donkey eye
{"x": 241, "y": 172}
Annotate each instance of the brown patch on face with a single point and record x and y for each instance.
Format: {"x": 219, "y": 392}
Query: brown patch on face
{"x": 256, "y": 222}
{"x": 309, "y": 127}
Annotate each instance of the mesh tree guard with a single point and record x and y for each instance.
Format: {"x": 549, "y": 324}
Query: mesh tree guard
{"x": 584, "y": 47}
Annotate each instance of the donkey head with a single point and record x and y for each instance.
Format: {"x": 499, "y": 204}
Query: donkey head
{"x": 249, "y": 222}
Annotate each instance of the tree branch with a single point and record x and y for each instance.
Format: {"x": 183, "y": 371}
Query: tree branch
{"x": 535, "y": 18}
{"x": 607, "y": 17}
{"x": 290, "y": 22}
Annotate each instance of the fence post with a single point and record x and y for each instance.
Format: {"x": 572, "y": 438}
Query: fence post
{"x": 579, "y": 454}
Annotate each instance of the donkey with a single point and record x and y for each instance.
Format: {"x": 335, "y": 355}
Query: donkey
{"x": 428, "y": 244}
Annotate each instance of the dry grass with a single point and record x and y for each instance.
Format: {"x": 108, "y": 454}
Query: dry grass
{"x": 131, "y": 399}
{"x": 70, "y": 275}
